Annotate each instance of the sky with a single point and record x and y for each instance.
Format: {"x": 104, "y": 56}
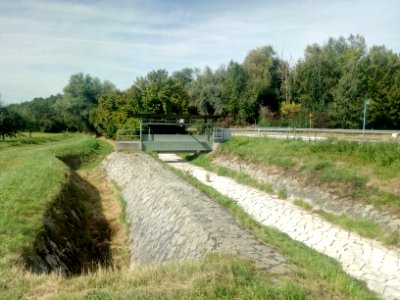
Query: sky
{"x": 44, "y": 42}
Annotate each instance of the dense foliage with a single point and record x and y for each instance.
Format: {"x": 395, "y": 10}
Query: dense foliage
{"x": 10, "y": 122}
{"x": 328, "y": 87}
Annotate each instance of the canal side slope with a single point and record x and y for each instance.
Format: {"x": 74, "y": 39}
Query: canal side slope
{"x": 171, "y": 220}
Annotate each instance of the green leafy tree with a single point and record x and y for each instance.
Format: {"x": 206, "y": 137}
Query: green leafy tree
{"x": 330, "y": 81}
{"x": 80, "y": 97}
{"x": 262, "y": 67}
{"x": 236, "y": 93}
{"x": 350, "y": 92}
{"x": 312, "y": 79}
{"x": 161, "y": 94}
{"x": 383, "y": 77}
{"x": 39, "y": 114}
{"x": 292, "y": 111}
{"x": 205, "y": 92}
{"x": 184, "y": 76}
{"x": 115, "y": 110}
{"x": 10, "y": 122}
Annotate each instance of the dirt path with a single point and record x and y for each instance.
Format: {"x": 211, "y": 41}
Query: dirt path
{"x": 362, "y": 258}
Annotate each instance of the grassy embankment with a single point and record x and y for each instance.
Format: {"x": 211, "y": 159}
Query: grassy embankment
{"x": 31, "y": 179}
{"x": 367, "y": 173}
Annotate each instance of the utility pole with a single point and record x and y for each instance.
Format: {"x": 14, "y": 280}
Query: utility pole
{"x": 365, "y": 113}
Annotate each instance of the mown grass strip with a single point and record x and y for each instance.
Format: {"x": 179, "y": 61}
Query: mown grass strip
{"x": 319, "y": 275}
{"x": 30, "y": 178}
{"x": 35, "y": 138}
{"x": 214, "y": 277}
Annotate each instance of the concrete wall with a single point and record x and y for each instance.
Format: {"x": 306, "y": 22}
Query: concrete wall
{"x": 171, "y": 220}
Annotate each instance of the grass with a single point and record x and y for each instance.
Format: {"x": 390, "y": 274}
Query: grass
{"x": 214, "y": 277}
{"x": 36, "y": 138}
{"x": 206, "y": 162}
{"x": 303, "y": 204}
{"x": 31, "y": 177}
{"x": 282, "y": 193}
{"x": 318, "y": 275}
{"x": 364, "y": 227}
{"x": 368, "y": 172}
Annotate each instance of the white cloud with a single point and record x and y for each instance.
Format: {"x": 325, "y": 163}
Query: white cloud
{"x": 44, "y": 42}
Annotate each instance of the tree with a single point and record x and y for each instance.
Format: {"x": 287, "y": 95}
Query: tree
{"x": 312, "y": 79}
{"x": 262, "y": 66}
{"x": 351, "y": 88}
{"x": 10, "y": 122}
{"x": 115, "y": 110}
{"x": 330, "y": 80}
{"x": 285, "y": 80}
{"x": 161, "y": 94}
{"x": 184, "y": 76}
{"x": 383, "y": 82}
{"x": 205, "y": 92}
{"x": 291, "y": 111}
{"x": 235, "y": 93}
{"x": 80, "y": 97}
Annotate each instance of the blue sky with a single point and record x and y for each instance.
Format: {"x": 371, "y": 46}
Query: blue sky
{"x": 43, "y": 42}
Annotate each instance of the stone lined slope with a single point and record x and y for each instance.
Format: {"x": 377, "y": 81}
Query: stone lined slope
{"x": 314, "y": 195}
{"x": 360, "y": 257}
{"x": 171, "y": 220}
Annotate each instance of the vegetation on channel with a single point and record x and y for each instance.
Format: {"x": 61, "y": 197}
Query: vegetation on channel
{"x": 357, "y": 172}
{"x": 317, "y": 275}
{"x": 31, "y": 178}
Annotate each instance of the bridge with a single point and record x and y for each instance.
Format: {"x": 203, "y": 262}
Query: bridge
{"x": 172, "y": 134}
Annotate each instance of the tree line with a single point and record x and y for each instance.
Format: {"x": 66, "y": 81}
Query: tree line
{"x": 328, "y": 87}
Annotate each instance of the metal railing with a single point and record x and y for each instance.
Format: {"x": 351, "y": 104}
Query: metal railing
{"x": 127, "y": 135}
{"x": 319, "y": 133}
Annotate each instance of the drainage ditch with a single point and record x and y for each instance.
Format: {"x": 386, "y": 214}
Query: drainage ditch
{"x": 75, "y": 237}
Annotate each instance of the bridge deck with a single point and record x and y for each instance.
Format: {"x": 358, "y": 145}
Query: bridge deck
{"x": 176, "y": 142}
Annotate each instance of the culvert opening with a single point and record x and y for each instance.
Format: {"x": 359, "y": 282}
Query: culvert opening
{"x": 75, "y": 237}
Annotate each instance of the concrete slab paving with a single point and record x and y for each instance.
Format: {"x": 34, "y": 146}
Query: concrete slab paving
{"x": 362, "y": 258}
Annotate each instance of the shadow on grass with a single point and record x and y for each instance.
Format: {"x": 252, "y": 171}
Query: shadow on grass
{"x": 192, "y": 156}
{"x": 75, "y": 237}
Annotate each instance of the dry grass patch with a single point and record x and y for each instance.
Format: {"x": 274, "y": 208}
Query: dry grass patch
{"x": 112, "y": 211}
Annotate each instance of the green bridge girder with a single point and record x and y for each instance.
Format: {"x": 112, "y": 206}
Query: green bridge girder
{"x": 177, "y": 142}
{"x": 172, "y": 134}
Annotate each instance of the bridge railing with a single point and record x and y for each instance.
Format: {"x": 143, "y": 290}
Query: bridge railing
{"x": 134, "y": 139}
{"x": 127, "y": 135}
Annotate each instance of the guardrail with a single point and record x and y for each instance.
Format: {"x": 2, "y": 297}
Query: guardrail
{"x": 319, "y": 133}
